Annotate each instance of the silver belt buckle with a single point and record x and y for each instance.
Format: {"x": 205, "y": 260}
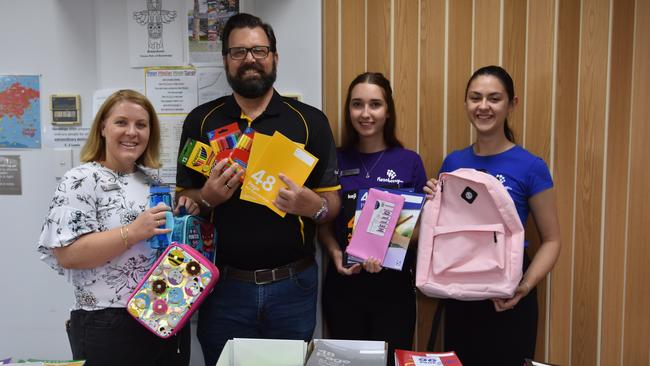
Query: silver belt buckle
{"x": 260, "y": 282}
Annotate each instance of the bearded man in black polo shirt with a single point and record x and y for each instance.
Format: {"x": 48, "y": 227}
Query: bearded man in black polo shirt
{"x": 269, "y": 282}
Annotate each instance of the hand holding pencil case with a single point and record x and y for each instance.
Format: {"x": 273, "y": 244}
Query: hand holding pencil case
{"x": 196, "y": 232}
{"x": 172, "y": 290}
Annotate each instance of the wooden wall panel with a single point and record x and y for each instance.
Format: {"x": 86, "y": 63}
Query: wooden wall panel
{"x": 637, "y": 297}
{"x": 514, "y": 55}
{"x": 539, "y": 78}
{"x": 331, "y": 105}
{"x": 432, "y": 82}
{"x": 591, "y": 122}
{"x": 618, "y": 135}
{"x": 584, "y": 106}
{"x": 353, "y": 49}
{"x": 459, "y": 69}
{"x": 564, "y": 177}
{"x": 487, "y": 15}
{"x": 406, "y": 71}
{"x": 537, "y": 102}
{"x": 378, "y": 38}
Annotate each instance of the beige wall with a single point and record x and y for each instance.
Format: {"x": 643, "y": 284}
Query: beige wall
{"x": 582, "y": 72}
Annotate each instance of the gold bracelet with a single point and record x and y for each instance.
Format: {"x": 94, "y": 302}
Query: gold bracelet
{"x": 124, "y": 232}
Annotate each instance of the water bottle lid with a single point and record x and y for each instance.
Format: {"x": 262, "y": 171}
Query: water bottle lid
{"x": 161, "y": 189}
{"x": 182, "y": 211}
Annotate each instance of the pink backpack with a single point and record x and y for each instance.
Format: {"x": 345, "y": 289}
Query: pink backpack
{"x": 471, "y": 242}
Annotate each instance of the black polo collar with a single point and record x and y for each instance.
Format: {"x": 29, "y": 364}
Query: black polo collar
{"x": 274, "y": 108}
{"x": 275, "y": 105}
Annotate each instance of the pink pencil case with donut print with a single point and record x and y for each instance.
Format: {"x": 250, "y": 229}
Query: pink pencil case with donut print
{"x": 172, "y": 290}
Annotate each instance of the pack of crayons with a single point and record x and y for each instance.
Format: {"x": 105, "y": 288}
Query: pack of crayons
{"x": 198, "y": 156}
{"x": 224, "y": 139}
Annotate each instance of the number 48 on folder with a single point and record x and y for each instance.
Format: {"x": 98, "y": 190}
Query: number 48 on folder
{"x": 266, "y": 184}
{"x": 270, "y": 156}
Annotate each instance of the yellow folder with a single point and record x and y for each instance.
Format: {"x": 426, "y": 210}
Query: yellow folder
{"x": 260, "y": 142}
{"x": 269, "y": 157}
{"x": 257, "y": 152}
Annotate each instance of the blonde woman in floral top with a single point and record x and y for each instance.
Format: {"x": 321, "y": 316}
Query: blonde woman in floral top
{"x": 96, "y": 230}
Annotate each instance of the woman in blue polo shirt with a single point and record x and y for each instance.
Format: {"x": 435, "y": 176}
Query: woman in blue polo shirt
{"x": 362, "y": 301}
{"x": 502, "y": 331}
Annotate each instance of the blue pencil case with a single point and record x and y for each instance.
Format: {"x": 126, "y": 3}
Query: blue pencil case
{"x": 196, "y": 232}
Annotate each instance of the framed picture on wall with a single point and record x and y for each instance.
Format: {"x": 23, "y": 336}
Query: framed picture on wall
{"x": 205, "y": 22}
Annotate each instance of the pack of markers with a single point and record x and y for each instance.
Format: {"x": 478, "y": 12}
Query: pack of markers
{"x": 229, "y": 142}
{"x": 223, "y": 140}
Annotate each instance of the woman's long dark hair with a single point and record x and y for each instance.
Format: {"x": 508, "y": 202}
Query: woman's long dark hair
{"x": 350, "y": 135}
{"x": 508, "y": 85}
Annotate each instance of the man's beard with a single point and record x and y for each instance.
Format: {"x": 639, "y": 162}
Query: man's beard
{"x": 251, "y": 87}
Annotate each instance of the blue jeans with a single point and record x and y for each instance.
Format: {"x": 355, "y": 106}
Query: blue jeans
{"x": 284, "y": 309}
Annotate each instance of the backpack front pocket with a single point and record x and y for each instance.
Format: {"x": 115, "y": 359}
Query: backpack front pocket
{"x": 468, "y": 249}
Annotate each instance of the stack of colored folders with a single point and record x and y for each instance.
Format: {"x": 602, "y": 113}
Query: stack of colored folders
{"x": 270, "y": 156}
{"x": 263, "y": 157}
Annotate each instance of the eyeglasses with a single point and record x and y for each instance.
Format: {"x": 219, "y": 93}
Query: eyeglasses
{"x": 258, "y": 52}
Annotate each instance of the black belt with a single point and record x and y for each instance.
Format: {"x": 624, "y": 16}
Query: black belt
{"x": 264, "y": 276}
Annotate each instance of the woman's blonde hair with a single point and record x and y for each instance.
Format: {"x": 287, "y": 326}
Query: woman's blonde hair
{"x": 95, "y": 147}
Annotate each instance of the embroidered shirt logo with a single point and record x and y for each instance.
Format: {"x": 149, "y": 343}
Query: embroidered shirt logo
{"x": 391, "y": 178}
{"x": 502, "y": 179}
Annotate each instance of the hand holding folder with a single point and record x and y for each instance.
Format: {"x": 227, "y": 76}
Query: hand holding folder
{"x": 269, "y": 157}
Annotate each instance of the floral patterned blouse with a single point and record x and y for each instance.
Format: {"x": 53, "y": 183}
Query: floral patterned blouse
{"x": 92, "y": 198}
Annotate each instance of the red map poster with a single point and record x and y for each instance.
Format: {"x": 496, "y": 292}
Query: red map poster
{"x": 20, "y": 112}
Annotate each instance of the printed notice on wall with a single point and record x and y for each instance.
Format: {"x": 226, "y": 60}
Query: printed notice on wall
{"x": 10, "y": 183}
{"x": 66, "y": 136}
{"x": 171, "y": 127}
{"x": 172, "y": 90}
{"x": 212, "y": 83}
{"x": 156, "y": 32}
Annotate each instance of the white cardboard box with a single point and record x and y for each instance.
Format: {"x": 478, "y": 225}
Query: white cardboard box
{"x": 267, "y": 352}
